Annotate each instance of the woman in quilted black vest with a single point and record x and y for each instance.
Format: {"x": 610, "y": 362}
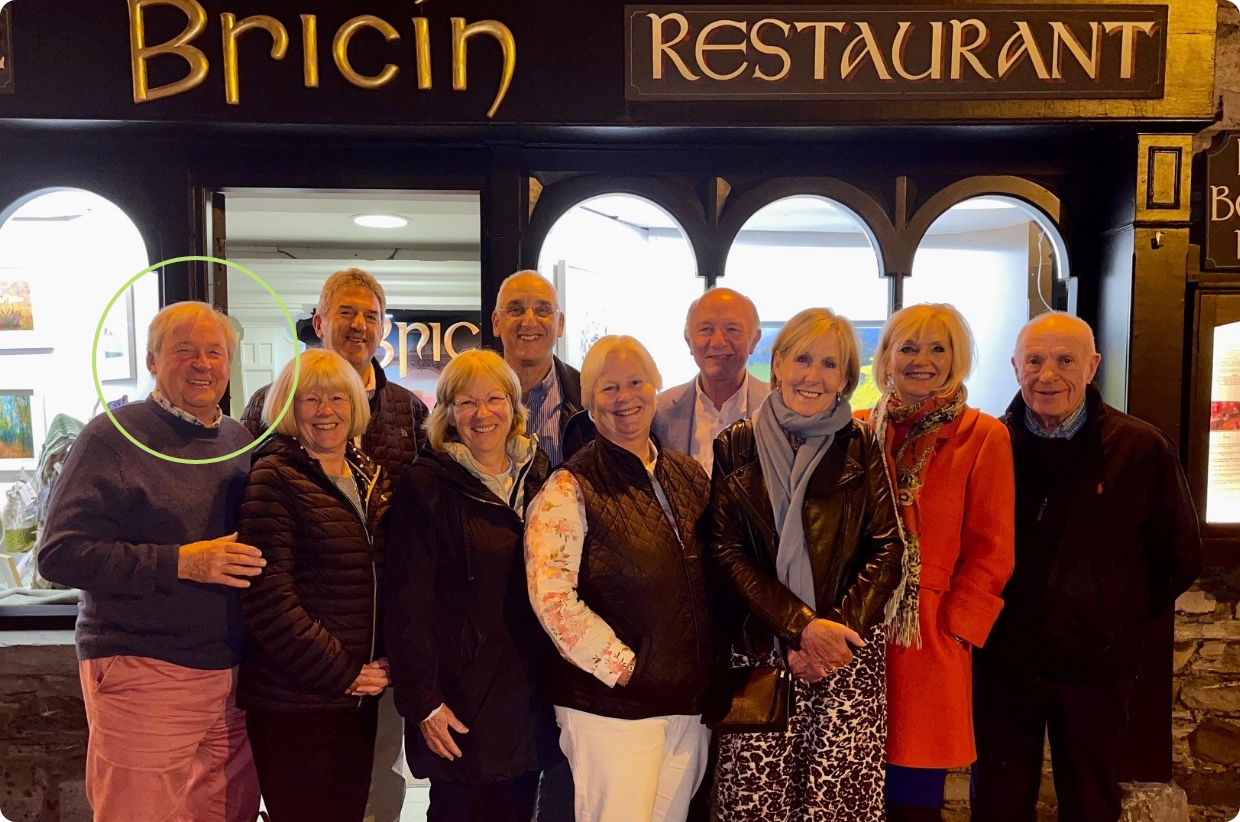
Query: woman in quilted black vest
{"x": 806, "y": 530}
{"x": 614, "y": 560}
{"x": 313, "y": 668}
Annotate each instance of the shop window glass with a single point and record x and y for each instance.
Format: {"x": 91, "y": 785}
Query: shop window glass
{"x": 996, "y": 260}
{"x": 63, "y": 254}
{"x": 623, "y": 265}
{"x": 809, "y": 251}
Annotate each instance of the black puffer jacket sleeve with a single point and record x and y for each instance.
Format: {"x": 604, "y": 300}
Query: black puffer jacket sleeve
{"x": 734, "y": 551}
{"x": 880, "y": 549}
{"x": 276, "y": 620}
{"x": 414, "y": 537}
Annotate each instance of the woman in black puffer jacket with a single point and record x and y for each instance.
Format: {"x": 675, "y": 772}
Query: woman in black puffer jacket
{"x": 312, "y": 665}
{"x": 468, "y": 655}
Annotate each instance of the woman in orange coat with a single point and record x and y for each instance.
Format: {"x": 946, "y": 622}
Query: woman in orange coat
{"x": 951, "y": 466}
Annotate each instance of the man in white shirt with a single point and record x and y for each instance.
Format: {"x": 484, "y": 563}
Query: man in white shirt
{"x": 722, "y": 330}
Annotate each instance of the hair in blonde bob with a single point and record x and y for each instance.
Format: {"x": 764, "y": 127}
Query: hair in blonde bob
{"x": 801, "y": 332}
{"x": 458, "y": 376}
{"x": 323, "y": 372}
{"x": 174, "y": 316}
{"x": 603, "y": 350}
{"x": 349, "y": 278}
{"x": 907, "y": 323}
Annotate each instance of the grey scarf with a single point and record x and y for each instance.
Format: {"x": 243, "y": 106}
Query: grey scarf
{"x": 787, "y": 475}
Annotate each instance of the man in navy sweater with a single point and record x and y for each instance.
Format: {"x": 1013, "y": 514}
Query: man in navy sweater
{"x": 151, "y": 543}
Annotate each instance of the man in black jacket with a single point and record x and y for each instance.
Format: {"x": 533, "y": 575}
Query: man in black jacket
{"x": 349, "y": 321}
{"x": 1106, "y": 537}
{"x": 528, "y": 320}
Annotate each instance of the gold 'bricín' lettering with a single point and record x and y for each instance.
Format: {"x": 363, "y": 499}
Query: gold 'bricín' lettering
{"x": 440, "y": 340}
{"x": 200, "y": 67}
{"x": 956, "y": 48}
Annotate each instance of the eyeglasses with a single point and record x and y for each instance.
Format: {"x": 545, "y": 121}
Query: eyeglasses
{"x": 469, "y": 405}
{"x": 543, "y": 310}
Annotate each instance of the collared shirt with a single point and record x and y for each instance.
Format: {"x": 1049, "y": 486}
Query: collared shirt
{"x": 709, "y": 422}
{"x": 543, "y": 402}
{"x": 182, "y": 414}
{"x": 1066, "y": 430}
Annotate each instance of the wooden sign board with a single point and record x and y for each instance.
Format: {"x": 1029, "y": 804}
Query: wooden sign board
{"x": 1222, "y": 241}
{"x": 978, "y": 52}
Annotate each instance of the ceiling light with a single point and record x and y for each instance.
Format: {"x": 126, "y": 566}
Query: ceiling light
{"x": 380, "y": 221}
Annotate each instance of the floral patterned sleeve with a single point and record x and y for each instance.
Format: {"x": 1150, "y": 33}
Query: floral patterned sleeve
{"x": 555, "y": 531}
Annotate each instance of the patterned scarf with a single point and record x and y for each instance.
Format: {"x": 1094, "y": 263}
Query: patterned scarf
{"x": 907, "y": 468}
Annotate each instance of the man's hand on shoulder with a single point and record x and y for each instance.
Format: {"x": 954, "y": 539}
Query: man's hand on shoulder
{"x": 221, "y": 561}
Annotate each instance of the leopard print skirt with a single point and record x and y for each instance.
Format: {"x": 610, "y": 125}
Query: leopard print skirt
{"x": 828, "y": 766}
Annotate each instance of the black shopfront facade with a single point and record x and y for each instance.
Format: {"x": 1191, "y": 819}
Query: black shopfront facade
{"x": 1082, "y": 112}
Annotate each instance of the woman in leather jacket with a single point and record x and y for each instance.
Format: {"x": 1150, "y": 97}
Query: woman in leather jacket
{"x": 805, "y": 529}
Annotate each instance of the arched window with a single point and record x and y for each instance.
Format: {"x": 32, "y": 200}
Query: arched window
{"x": 63, "y": 254}
{"x": 998, "y": 260}
{"x": 807, "y": 251}
{"x": 623, "y": 265}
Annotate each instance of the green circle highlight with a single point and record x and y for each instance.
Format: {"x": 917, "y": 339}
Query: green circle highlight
{"x": 94, "y": 362}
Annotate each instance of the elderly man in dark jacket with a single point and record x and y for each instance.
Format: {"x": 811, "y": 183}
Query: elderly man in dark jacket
{"x": 1106, "y": 537}
{"x": 349, "y": 321}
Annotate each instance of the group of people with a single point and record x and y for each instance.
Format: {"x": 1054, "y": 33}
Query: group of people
{"x": 554, "y": 571}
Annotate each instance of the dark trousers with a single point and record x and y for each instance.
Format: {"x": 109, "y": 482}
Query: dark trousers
{"x": 314, "y": 766}
{"x": 511, "y": 800}
{"x": 1085, "y": 721}
{"x": 556, "y": 794}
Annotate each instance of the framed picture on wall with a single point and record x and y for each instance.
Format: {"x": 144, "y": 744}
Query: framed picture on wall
{"x": 114, "y": 354}
{"x": 22, "y": 428}
{"x": 24, "y": 324}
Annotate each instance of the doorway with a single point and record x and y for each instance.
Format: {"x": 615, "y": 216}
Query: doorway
{"x": 424, "y": 248}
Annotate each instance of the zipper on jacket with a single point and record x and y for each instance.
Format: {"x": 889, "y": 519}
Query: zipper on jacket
{"x": 684, "y": 563}
{"x": 374, "y": 572}
{"x": 370, "y": 541}
{"x": 1042, "y": 508}
{"x": 839, "y": 549}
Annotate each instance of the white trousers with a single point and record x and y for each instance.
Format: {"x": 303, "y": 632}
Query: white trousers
{"x": 633, "y": 770}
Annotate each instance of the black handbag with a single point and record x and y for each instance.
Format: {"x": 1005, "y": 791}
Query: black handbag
{"x": 749, "y": 700}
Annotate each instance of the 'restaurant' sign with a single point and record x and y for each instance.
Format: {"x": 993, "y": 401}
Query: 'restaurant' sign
{"x": 1222, "y": 246}
{"x": 6, "y": 50}
{"x": 839, "y": 52}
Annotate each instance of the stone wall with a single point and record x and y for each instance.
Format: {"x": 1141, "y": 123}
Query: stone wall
{"x": 42, "y": 729}
{"x": 1206, "y": 723}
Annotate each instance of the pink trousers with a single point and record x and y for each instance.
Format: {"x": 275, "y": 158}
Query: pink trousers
{"x": 167, "y": 743}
